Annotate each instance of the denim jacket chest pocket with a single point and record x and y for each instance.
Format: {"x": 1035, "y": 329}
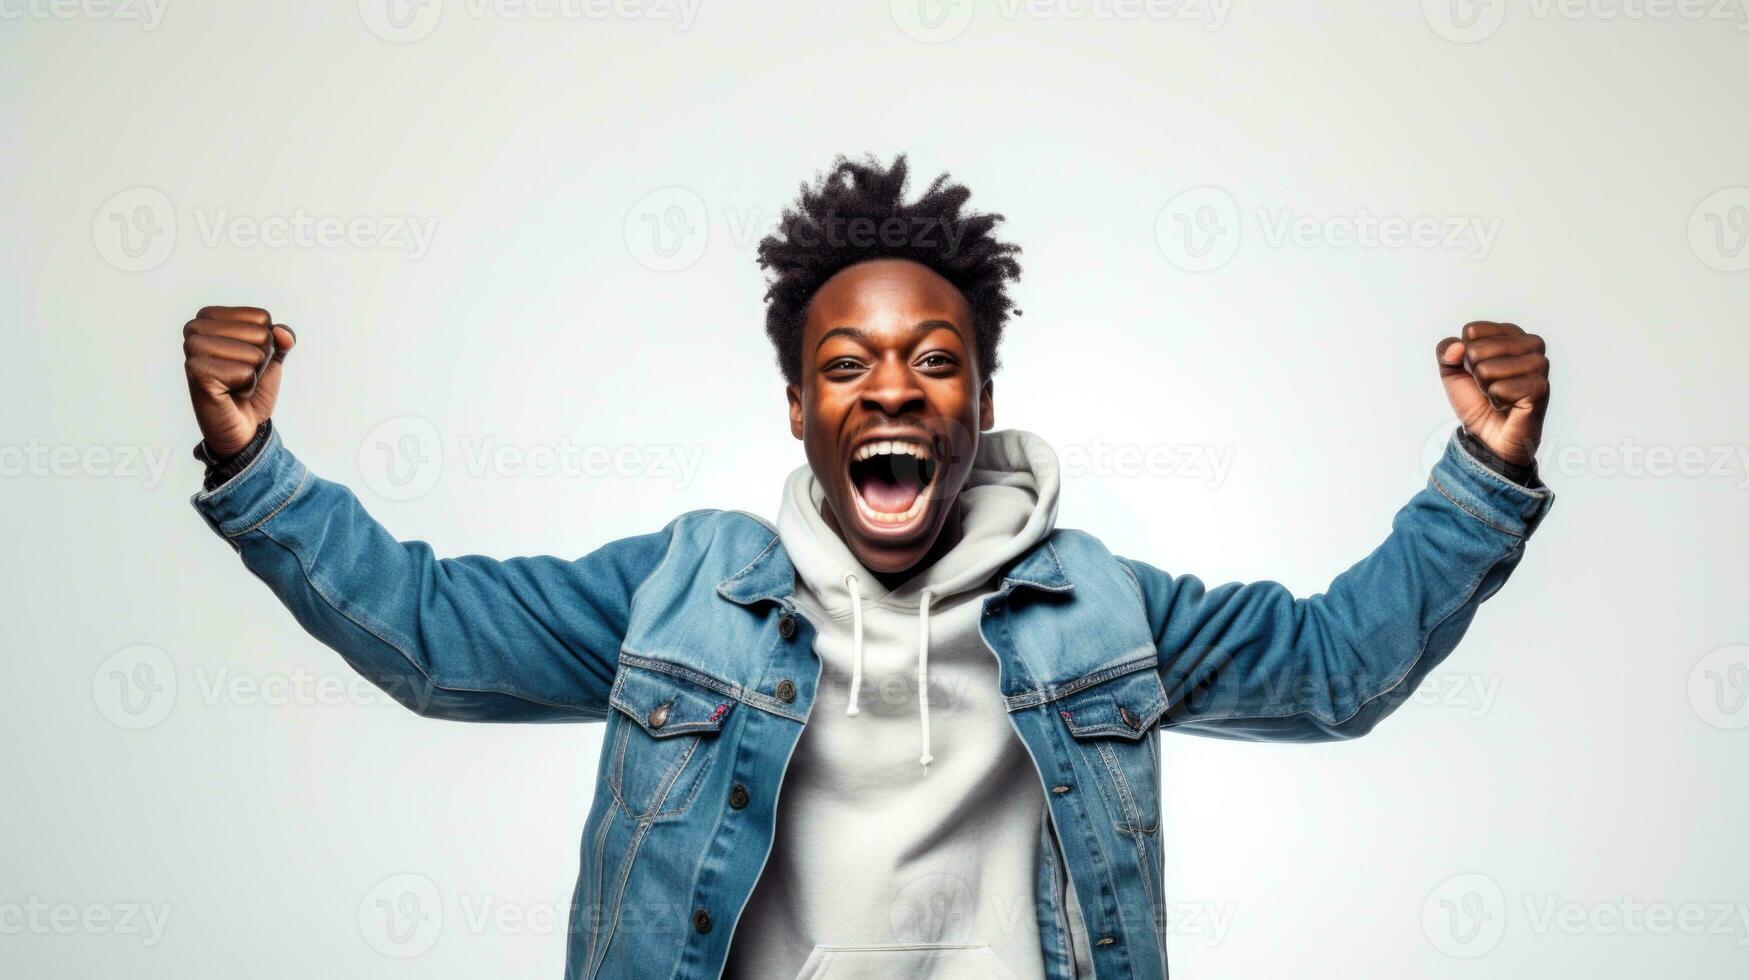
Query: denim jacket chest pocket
{"x": 666, "y": 733}
{"x": 1112, "y": 726}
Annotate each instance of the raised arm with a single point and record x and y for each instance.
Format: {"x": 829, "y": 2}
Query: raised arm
{"x": 1252, "y": 661}
{"x": 468, "y": 638}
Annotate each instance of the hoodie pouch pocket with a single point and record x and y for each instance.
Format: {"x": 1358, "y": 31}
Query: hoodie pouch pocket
{"x": 1113, "y": 726}
{"x": 906, "y": 961}
{"x": 666, "y": 734}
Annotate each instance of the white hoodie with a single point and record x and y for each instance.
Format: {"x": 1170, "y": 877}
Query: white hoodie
{"x": 908, "y": 823}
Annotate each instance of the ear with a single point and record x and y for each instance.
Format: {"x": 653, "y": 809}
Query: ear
{"x": 794, "y": 394}
{"x": 987, "y": 407}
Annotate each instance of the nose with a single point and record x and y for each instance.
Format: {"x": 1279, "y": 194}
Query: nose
{"x": 892, "y": 389}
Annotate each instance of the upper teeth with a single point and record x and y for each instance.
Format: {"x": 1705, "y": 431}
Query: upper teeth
{"x": 889, "y": 447}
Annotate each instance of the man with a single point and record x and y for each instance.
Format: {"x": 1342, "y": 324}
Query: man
{"x": 959, "y": 701}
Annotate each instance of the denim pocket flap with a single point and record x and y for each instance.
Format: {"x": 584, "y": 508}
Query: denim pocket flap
{"x": 1125, "y": 706}
{"x": 666, "y": 704}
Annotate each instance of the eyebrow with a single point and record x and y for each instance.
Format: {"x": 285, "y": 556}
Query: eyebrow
{"x": 860, "y": 335}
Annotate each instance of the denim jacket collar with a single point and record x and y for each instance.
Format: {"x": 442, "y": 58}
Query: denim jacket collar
{"x": 770, "y": 577}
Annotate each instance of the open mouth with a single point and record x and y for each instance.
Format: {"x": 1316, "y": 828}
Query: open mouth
{"x": 891, "y": 477}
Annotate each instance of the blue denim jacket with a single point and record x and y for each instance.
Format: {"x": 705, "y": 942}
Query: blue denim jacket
{"x": 688, "y": 644}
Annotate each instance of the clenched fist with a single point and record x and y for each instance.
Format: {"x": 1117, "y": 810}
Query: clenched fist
{"x": 233, "y": 356}
{"x": 1497, "y": 379}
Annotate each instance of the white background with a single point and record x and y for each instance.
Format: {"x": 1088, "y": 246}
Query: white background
{"x": 1581, "y": 759}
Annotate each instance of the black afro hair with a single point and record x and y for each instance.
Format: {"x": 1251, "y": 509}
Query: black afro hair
{"x": 856, "y": 211}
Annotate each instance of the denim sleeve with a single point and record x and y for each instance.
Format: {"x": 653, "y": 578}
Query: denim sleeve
{"x": 468, "y": 638}
{"x": 1251, "y": 661}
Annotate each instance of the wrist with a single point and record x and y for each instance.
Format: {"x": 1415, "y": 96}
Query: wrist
{"x": 1524, "y": 474}
{"x": 221, "y": 467}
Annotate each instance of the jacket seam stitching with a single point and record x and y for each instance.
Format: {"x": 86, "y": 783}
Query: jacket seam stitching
{"x": 741, "y": 694}
{"x": 1056, "y": 692}
{"x": 303, "y": 476}
{"x": 1466, "y": 509}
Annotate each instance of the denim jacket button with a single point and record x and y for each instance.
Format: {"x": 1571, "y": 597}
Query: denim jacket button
{"x": 701, "y": 920}
{"x": 786, "y": 690}
{"x": 737, "y": 796}
{"x": 659, "y": 714}
{"x": 1128, "y": 717}
{"x": 786, "y": 626}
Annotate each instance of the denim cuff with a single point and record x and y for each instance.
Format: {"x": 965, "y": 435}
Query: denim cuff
{"x": 1486, "y": 495}
{"x": 249, "y": 499}
{"x": 1523, "y": 474}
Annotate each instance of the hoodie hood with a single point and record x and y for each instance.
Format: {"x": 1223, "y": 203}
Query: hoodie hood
{"x": 1008, "y": 505}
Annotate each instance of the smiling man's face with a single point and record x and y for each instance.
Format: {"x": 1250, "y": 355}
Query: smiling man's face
{"x": 889, "y": 406}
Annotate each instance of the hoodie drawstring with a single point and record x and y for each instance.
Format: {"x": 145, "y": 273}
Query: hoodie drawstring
{"x": 923, "y": 675}
{"x": 855, "y": 641}
{"x": 850, "y": 583}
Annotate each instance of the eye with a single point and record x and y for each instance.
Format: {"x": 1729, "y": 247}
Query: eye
{"x": 937, "y": 360}
{"x": 841, "y": 365}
